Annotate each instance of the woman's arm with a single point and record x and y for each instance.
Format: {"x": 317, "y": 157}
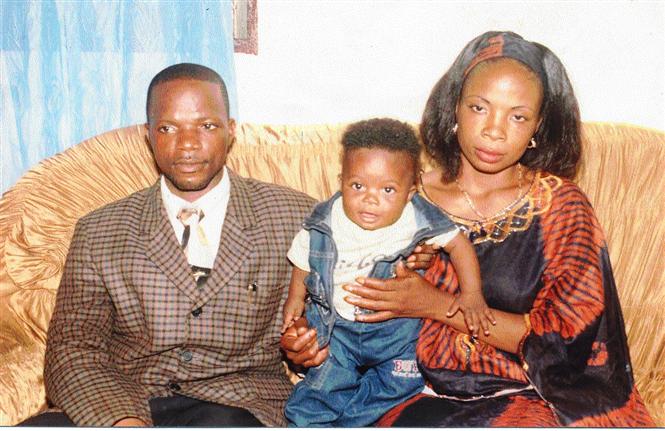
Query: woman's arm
{"x": 410, "y": 295}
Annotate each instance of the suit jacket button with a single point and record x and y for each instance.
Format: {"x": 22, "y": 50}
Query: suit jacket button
{"x": 174, "y": 387}
{"x": 186, "y": 355}
{"x": 197, "y": 312}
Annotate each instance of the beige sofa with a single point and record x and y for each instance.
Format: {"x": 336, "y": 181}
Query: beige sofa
{"x": 622, "y": 173}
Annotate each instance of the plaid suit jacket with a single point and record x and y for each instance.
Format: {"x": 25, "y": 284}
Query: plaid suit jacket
{"x": 130, "y": 323}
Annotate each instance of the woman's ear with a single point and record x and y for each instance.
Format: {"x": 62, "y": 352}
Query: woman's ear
{"x": 540, "y": 121}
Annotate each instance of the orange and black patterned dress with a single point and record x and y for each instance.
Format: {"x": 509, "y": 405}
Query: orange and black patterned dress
{"x": 546, "y": 259}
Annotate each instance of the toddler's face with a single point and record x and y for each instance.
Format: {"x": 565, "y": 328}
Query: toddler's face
{"x": 376, "y": 185}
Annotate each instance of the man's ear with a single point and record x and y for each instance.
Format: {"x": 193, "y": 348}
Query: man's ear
{"x": 232, "y": 133}
{"x": 146, "y": 137}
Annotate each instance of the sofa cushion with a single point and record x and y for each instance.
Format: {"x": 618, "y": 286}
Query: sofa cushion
{"x": 620, "y": 172}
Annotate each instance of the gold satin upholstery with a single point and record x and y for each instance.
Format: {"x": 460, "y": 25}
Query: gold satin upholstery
{"x": 621, "y": 172}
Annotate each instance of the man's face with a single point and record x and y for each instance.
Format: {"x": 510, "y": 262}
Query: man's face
{"x": 190, "y": 135}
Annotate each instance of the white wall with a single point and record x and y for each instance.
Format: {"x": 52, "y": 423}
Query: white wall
{"x": 337, "y": 61}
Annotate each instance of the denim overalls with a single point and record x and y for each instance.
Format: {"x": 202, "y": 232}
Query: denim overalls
{"x": 371, "y": 367}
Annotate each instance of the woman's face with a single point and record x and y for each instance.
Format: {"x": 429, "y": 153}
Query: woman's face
{"x": 497, "y": 114}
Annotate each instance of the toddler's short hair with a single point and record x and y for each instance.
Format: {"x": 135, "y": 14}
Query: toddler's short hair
{"x": 384, "y": 133}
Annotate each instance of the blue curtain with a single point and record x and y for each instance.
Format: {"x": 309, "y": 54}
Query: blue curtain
{"x": 70, "y": 70}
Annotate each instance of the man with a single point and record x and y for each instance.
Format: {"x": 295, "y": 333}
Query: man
{"x": 167, "y": 309}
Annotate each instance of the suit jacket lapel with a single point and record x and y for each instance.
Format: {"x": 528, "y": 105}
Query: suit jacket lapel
{"x": 237, "y": 238}
{"x": 162, "y": 246}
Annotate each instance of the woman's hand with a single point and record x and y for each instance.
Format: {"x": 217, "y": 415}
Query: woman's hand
{"x": 422, "y": 256}
{"x": 299, "y": 344}
{"x": 406, "y": 295}
{"x": 410, "y": 295}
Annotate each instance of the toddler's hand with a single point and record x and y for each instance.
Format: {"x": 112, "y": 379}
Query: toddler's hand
{"x": 476, "y": 312}
{"x": 293, "y": 309}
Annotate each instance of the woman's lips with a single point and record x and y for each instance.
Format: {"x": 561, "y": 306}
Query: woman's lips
{"x": 488, "y": 156}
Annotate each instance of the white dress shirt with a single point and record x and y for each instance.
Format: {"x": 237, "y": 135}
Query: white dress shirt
{"x": 213, "y": 204}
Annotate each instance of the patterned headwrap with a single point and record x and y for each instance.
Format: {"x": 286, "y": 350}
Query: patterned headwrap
{"x": 511, "y": 45}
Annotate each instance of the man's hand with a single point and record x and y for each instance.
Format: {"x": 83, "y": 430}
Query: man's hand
{"x": 130, "y": 422}
{"x": 300, "y": 345}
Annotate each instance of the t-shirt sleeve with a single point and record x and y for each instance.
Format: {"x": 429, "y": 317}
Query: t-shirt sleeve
{"x": 299, "y": 252}
{"x": 443, "y": 239}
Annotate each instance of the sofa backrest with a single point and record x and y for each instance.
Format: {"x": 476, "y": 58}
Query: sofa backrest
{"x": 621, "y": 172}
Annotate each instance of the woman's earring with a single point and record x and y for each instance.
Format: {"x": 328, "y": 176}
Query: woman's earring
{"x": 455, "y": 128}
{"x": 532, "y": 143}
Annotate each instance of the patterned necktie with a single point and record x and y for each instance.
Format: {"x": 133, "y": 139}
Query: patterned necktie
{"x": 196, "y": 245}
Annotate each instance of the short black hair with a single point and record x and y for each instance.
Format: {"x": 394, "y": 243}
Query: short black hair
{"x": 559, "y": 134}
{"x": 187, "y": 71}
{"x": 384, "y": 133}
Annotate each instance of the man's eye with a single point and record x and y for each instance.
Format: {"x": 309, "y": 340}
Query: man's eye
{"x": 165, "y": 129}
{"x": 209, "y": 126}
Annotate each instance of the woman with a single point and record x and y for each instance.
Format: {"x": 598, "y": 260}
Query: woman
{"x": 503, "y": 126}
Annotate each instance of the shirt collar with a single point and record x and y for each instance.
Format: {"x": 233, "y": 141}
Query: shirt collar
{"x": 209, "y": 202}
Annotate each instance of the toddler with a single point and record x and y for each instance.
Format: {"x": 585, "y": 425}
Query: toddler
{"x": 365, "y": 229}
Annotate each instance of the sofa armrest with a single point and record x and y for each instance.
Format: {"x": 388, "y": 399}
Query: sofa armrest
{"x": 21, "y": 377}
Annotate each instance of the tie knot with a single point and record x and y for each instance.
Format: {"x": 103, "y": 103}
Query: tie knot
{"x": 185, "y": 215}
